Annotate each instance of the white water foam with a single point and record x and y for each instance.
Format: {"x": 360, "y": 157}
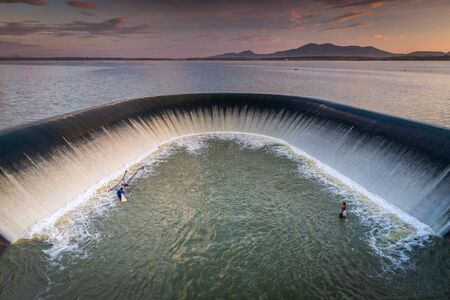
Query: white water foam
{"x": 69, "y": 226}
{"x": 394, "y": 233}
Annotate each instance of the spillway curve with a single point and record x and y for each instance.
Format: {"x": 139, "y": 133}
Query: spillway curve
{"x": 47, "y": 164}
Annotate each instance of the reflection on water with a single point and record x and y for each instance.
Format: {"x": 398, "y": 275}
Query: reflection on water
{"x": 36, "y": 90}
{"x": 227, "y": 218}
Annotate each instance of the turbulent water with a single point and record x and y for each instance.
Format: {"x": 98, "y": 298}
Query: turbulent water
{"x": 35, "y": 90}
{"x": 227, "y": 216}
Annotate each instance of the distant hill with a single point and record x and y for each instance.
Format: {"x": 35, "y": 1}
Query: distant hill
{"x": 243, "y": 54}
{"x": 427, "y": 53}
{"x": 332, "y": 50}
{"x": 314, "y": 50}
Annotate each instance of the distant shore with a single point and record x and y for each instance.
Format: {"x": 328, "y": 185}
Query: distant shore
{"x": 301, "y": 58}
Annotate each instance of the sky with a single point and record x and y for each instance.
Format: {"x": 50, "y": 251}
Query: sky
{"x": 199, "y": 28}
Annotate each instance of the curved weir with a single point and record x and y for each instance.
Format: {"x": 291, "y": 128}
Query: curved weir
{"x": 47, "y": 165}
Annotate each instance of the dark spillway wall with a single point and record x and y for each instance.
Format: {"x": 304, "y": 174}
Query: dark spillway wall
{"x": 3, "y": 244}
{"x": 41, "y": 136}
{"x": 429, "y": 145}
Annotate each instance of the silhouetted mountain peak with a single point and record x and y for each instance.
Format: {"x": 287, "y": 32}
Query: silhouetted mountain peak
{"x": 328, "y": 50}
{"x": 247, "y": 52}
{"x": 313, "y": 49}
{"x": 426, "y": 53}
{"x": 243, "y": 54}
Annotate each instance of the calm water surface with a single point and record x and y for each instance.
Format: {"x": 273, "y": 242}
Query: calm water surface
{"x": 196, "y": 227}
{"x": 35, "y": 90}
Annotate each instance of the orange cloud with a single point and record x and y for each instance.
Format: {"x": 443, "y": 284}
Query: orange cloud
{"x": 347, "y": 17}
{"x": 377, "y": 37}
{"x": 298, "y": 20}
{"x": 82, "y": 4}
{"x": 376, "y": 4}
{"x": 295, "y": 15}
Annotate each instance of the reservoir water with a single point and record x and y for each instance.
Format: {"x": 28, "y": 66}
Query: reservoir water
{"x": 35, "y": 90}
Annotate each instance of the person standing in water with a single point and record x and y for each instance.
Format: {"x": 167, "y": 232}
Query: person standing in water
{"x": 343, "y": 213}
{"x": 120, "y": 193}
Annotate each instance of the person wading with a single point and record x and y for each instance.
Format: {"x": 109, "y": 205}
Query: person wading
{"x": 120, "y": 194}
{"x": 343, "y": 213}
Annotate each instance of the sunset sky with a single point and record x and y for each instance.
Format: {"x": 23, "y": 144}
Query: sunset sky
{"x": 176, "y": 28}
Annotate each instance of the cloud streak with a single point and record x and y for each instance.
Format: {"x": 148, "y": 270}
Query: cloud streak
{"x": 298, "y": 21}
{"x": 116, "y": 26}
{"x": 17, "y": 28}
{"x": 296, "y": 15}
{"x": 30, "y": 2}
{"x": 354, "y": 3}
{"x": 346, "y": 17}
{"x": 82, "y": 4}
{"x": 346, "y": 27}
{"x": 86, "y": 13}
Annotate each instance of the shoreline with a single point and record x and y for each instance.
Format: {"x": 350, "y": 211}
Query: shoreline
{"x": 300, "y": 58}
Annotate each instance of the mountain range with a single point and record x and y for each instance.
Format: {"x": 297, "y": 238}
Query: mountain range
{"x": 326, "y": 50}
{"x": 307, "y": 52}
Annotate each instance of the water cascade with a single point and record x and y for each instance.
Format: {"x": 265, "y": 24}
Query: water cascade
{"x": 47, "y": 165}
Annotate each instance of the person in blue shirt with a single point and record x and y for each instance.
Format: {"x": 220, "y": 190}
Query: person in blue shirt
{"x": 120, "y": 193}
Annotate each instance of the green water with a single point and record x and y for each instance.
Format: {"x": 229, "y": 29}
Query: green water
{"x": 227, "y": 220}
